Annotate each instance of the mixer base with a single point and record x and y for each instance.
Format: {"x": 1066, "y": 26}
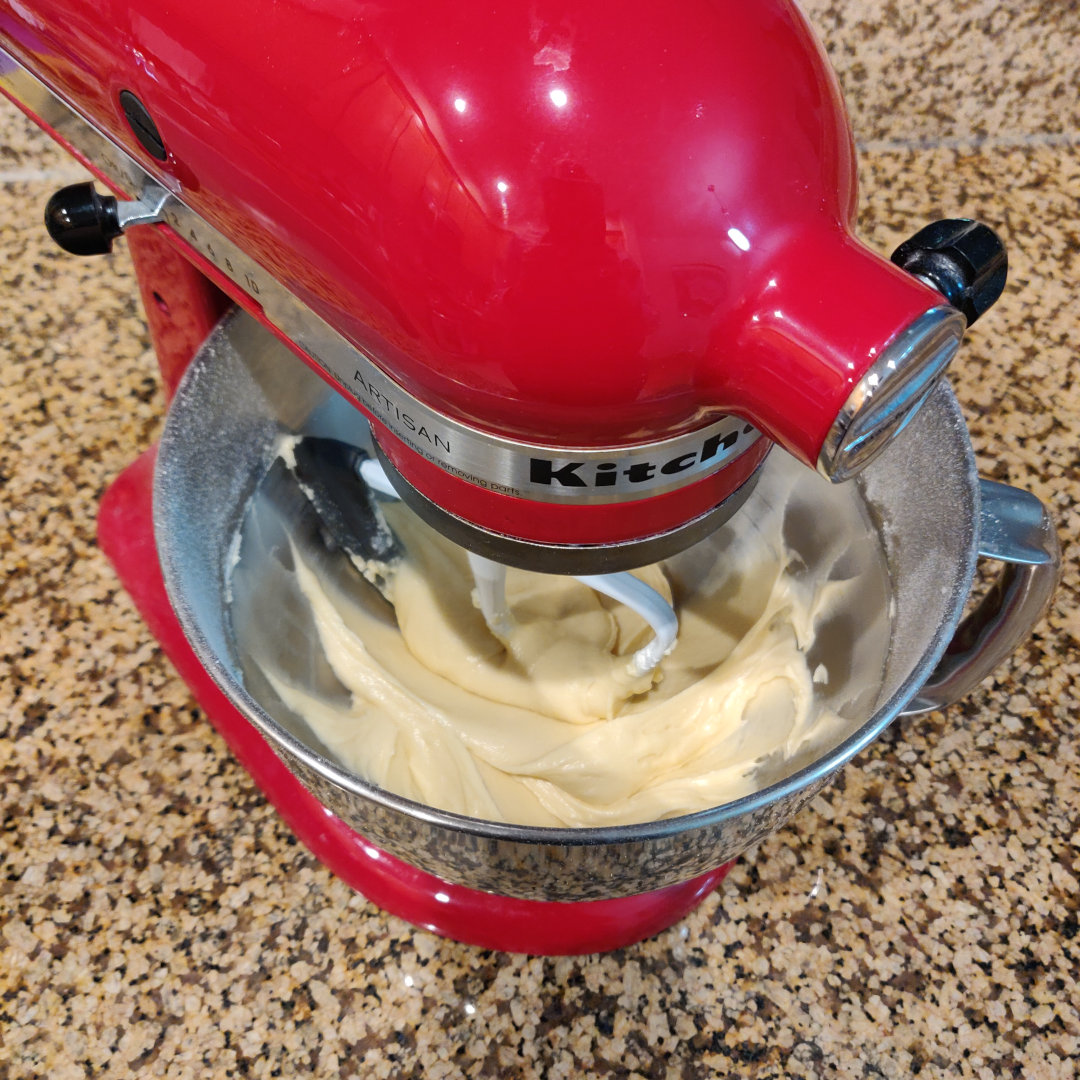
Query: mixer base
{"x": 125, "y": 532}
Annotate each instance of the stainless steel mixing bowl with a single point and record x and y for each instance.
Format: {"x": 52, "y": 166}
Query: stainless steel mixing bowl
{"x": 933, "y": 515}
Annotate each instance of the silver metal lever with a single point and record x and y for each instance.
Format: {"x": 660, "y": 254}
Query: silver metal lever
{"x": 148, "y": 209}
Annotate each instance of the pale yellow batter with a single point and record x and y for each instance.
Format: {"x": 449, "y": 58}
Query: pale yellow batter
{"x": 552, "y": 731}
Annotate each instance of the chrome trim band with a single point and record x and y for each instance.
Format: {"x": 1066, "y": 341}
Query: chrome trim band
{"x": 539, "y": 473}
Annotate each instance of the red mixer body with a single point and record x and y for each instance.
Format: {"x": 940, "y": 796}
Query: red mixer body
{"x": 549, "y": 225}
{"x": 552, "y": 226}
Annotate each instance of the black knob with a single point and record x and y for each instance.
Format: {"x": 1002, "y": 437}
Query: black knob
{"x": 963, "y": 259}
{"x": 81, "y": 221}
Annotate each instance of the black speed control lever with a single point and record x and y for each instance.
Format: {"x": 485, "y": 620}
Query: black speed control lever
{"x": 83, "y": 222}
{"x": 963, "y": 259}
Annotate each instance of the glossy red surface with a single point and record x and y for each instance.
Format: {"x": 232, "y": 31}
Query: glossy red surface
{"x": 181, "y": 304}
{"x": 477, "y": 918}
{"x": 549, "y": 221}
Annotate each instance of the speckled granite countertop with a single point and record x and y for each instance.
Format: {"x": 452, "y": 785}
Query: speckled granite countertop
{"x": 921, "y": 918}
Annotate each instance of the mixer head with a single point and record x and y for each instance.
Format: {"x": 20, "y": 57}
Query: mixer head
{"x": 580, "y": 274}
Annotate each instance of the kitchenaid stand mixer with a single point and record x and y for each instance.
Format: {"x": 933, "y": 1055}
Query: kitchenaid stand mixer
{"x": 579, "y": 277}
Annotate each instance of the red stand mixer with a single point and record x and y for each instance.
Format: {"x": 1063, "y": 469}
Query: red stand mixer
{"x": 580, "y": 275}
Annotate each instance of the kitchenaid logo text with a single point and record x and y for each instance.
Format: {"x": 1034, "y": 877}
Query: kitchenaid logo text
{"x": 518, "y": 470}
{"x": 582, "y": 474}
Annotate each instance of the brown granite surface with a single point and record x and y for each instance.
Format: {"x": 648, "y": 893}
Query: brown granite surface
{"x": 921, "y": 918}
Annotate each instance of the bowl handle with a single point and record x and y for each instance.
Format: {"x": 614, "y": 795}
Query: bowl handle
{"x": 1016, "y": 530}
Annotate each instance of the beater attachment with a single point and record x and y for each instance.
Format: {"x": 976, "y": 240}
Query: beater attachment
{"x": 490, "y": 578}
